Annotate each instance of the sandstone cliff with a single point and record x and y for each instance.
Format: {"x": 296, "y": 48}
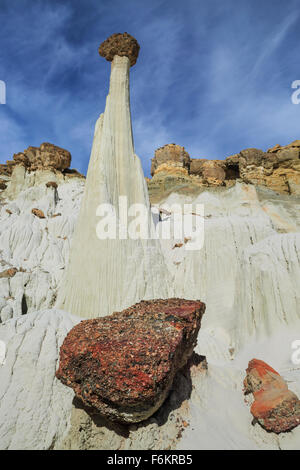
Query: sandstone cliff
{"x": 174, "y": 171}
{"x": 45, "y": 164}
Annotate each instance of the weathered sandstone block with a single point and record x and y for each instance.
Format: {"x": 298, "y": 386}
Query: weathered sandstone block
{"x": 121, "y": 45}
{"x": 8, "y": 273}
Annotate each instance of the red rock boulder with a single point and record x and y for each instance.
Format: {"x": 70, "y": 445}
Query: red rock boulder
{"x": 275, "y": 407}
{"x": 123, "y": 365}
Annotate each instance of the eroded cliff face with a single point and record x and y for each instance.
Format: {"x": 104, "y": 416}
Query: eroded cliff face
{"x": 174, "y": 171}
{"x": 38, "y": 210}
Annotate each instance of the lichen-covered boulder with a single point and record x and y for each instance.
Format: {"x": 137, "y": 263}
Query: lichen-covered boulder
{"x": 275, "y": 407}
{"x": 122, "y": 366}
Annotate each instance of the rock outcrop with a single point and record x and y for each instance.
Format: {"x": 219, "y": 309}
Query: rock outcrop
{"x": 8, "y": 273}
{"x": 35, "y": 249}
{"x": 278, "y": 169}
{"x": 123, "y": 366}
{"x": 47, "y": 156}
{"x": 275, "y": 407}
{"x": 172, "y": 156}
{"x": 123, "y": 45}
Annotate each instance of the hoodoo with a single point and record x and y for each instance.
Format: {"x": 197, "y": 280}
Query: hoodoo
{"x": 106, "y": 274}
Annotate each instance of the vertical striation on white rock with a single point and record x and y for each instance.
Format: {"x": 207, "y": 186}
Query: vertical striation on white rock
{"x": 105, "y": 275}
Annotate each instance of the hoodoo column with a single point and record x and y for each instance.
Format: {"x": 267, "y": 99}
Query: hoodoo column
{"x": 104, "y": 275}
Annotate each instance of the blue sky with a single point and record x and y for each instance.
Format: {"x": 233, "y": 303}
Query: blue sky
{"x": 214, "y": 76}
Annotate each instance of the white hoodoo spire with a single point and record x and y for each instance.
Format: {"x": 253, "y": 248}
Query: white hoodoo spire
{"x": 105, "y": 275}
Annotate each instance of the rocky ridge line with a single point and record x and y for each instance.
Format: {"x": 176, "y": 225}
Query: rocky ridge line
{"x": 173, "y": 170}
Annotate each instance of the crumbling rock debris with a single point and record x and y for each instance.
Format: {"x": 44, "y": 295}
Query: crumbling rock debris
{"x": 121, "y": 45}
{"x": 275, "y": 407}
{"x": 38, "y": 213}
{"x": 123, "y": 365}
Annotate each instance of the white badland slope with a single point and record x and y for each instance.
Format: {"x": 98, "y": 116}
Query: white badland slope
{"x": 247, "y": 273}
{"x": 107, "y": 275}
{"x": 37, "y": 248}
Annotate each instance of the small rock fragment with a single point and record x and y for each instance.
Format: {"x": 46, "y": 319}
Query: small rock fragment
{"x": 38, "y": 213}
{"x": 275, "y": 407}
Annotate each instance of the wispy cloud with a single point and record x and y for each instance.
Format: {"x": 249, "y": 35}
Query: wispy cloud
{"x": 212, "y": 76}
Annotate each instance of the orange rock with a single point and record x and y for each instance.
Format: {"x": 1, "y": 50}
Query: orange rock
{"x": 8, "y": 273}
{"x": 38, "y": 213}
{"x": 275, "y": 407}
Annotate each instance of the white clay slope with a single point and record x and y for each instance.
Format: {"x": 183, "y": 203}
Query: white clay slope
{"x": 107, "y": 275}
{"x": 37, "y": 248}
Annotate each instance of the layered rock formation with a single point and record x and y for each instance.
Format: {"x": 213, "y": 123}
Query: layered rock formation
{"x": 105, "y": 274}
{"x": 277, "y": 169}
{"x": 34, "y": 166}
{"x": 123, "y": 366}
{"x": 247, "y": 272}
{"x": 34, "y": 407}
{"x": 275, "y": 407}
